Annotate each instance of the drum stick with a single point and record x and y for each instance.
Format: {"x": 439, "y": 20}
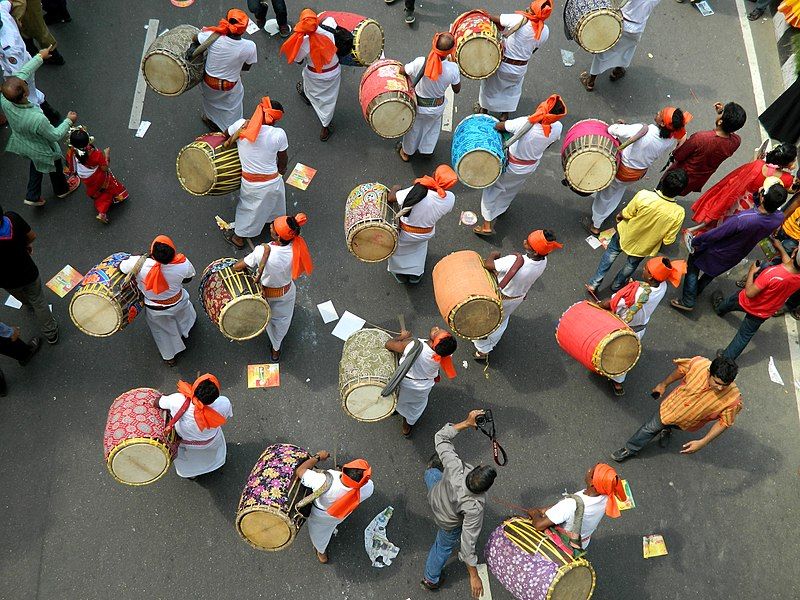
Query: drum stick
{"x": 514, "y": 507}
{"x": 204, "y": 46}
{"x": 250, "y": 243}
{"x": 402, "y": 318}
{"x": 232, "y": 140}
{"x": 523, "y": 130}
{"x": 381, "y": 328}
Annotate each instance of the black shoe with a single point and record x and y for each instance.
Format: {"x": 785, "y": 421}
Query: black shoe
{"x": 716, "y": 300}
{"x": 33, "y": 346}
{"x": 3, "y": 387}
{"x": 431, "y": 587}
{"x": 55, "y": 59}
{"x": 664, "y": 438}
{"x": 55, "y": 18}
{"x": 622, "y": 455}
{"x": 434, "y": 462}
{"x": 53, "y": 339}
{"x": 755, "y": 15}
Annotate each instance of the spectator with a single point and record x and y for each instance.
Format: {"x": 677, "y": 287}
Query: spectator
{"x": 11, "y": 345}
{"x": 30, "y": 18}
{"x": 260, "y": 8}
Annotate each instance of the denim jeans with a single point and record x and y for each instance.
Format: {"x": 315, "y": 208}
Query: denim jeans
{"x": 608, "y": 258}
{"x": 57, "y": 179}
{"x": 446, "y": 541}
{"x": 32, "y": 295}
{"x": 693, "y": 283}
{"x": 788, "y": 243}
{"x": 747, "y": 329}
{"x": 260, "y": 10}
{"x": 652, "y": 427}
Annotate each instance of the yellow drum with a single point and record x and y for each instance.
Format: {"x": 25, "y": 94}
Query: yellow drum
{"x": 206, "y": 169}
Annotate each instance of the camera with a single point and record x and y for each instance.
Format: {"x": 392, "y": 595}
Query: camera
{"x": 486, "y": 417}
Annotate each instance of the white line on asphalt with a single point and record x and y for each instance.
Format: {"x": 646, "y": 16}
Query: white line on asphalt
{"x": 449, "y": 104}
{"x": 141, "y": 87}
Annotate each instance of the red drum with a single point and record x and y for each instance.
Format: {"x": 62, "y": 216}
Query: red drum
{"x": 387, "y": 99}
{"x": 598, "y": 339}
{"x": 589, "y": 156}
{"x": 478, "y": 47}
{"x": 367, "y": 37}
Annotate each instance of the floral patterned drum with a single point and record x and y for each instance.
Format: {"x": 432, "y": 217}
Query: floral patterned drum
{"x": 532, "y": 567}
{"x": 268, "y": 517}
{"x": 366, "y": 367}
{"x": 369, "y": 223}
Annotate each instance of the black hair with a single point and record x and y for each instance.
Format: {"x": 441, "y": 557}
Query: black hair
{"x": 480, "y": 479}
{"x": 294, "y": 226}
{"x": 443, "y": 41}
{"x": 277, "y": 105}
{"x": 163, "y": 253}
{"x": 354, "y": 474}
{"x": 2, "y": 212}
{"x": 733, "y": 117}
{"x": 782, "y": 155}
{"x": 549, "y": 235}
{"x": 558, "y": 108}
{"x": 724, "y": 369}
{"x": 207, "y": 392}
{"x": 774, "y": 197}
{"x": 14, "y": 89}
{"x": 673, "y": 182}
{"x": 80, "y": 139}
{"x": 678, "y": 122}
{"x": 446, "y": 346}
{"x": 415, "y": 195}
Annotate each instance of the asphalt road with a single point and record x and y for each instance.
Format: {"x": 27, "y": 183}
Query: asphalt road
{"x": 69, "y": 531}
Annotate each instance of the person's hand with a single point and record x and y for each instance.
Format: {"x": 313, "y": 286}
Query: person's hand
{"x": 472, "y": 416}
{"x": 72, "y": 116}
{"x": 753, "y": 267}
{"x": 46, "y": 53}
{"x": 476, "y": 586}
{"x": 718, "y": 106}
{"x": 692, "y": 447}
{"x": 15, "y": 334}
{"x": 775, "y": 243}
{"x": 323, "y": 455}
{"x": 494, "y": 255}
{"x": 659, "y": 390}
{"x": 405, "y": 334}
{"x": 621, "y": 121}
{"x": 619, "y": 218}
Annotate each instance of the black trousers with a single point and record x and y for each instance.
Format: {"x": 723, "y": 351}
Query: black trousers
{"x": 17, "y": 349}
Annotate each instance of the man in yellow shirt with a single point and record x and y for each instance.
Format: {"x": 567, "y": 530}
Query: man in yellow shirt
{"x": 789, "y": 233}
{"x": 651, "y": 219}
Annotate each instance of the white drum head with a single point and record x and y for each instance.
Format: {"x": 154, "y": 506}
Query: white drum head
{"x": 139, "y": 463}
{"x": 478, "y": 57}
{"x": 478, "y": 169}
{"x": 266, "y": 530}
{"x": 244, "y": 318}
{"x": 599, "y": 31}
{"x": 591, "y": 170}
{"x": 373, "y": 243}
{"x": 95, "y": 315}
{"x": 165, "y": 74}
{"x": 370, "y": 43}
{"x": 365, "y": 403}
{"x": 392, "y": 119}
{"x": 196, "y": 170}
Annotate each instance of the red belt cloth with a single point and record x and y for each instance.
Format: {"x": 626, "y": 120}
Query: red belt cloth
{"x": 258, "y": 177}
{"x": 216, "y": 83}
{"x": 519, "y": 161}
{"x": 271, "y": 292}
{"x": 628, "y": 174}
{"x": 328, "y": 70}
{"x": 412, "y": 229}
{"x": 513, "y": 61}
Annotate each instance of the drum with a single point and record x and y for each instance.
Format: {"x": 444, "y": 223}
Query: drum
{"x": 369, "y": 223}
{"x": 388, "y": 101}
{"x": 595, "y": 24}
{"x": 532, "y": 567}
{"x": 267, "y": 517}
{"x": 478, "y": 48}
{"x": 367, "y": 37}
{"x": 136, "y": 446}
{"x": 102, "y": 305}
{"x": 233, "y": 300}
{"x": 205, "y": 169}
{"x": 477, "y": 152}
{"x": 165, "y": 68}
{"x": 598, "y": 339}
{"x": 366, "y": 367}
{"x": 466, "y": 294}
{"x": 589, "y": 156}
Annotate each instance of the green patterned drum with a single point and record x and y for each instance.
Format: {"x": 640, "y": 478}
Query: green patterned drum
{"x": 365, "y": 369}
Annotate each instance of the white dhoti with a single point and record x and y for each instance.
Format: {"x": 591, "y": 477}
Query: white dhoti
{"x": 423, "y": 135}
{"x": 320, "y": 527}
{"x": 620, "y": 55}
{"x": 413, "y": 398}
{"x": 223, "y": 108}
{"x": 621, "y": 378}
{"x": 501, "y": 91}
{"x": 488, "y": 344}
{"x": 197, "y": 458}
{"x": 322, "y": 89}
{"x": 496, "y": 199}
{"x": 409, "y": 258}
{"x": 281, "y": 312}
{"x": 259, "y": 203}
{"x": 171, "y": 325}
{"x": 606, "y": 201}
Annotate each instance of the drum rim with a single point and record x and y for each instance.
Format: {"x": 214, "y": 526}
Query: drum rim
{"x": 374, "y": 104}
{"x": 225, "y": 308}
{"x": 567, "y": 161}
{"x": 241, "y": 514}
{"x": 597, "y": 354}
{"x": 357, "y": 31}
{"x": 140, "y": 440}
{"x": 564, "y": 569}
{"x": 165, "y": 52}
{"x": 583, "y": 21}
{"x": 356, "y": 229}
{"x": 467, "y": 153}
{"x": 117, "y": 308}
{"x": 349, "y": 387}
{"x": 470, "y": 298}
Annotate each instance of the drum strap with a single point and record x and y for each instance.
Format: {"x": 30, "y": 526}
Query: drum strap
{"x": 497, "y": 450}
{"x": 402, "y": 369}
{"x": 262, "y": 265}
{"x": 317, "y": 492}
{"x": 634, "y": 138}
{"x": 181, "y": 411}
{"x": 136, "y": 268}
{"x": 512, "y": 271}
{"x": 516, "y": 28}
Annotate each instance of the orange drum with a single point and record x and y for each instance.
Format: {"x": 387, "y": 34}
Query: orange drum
{"x": 467, "y": 295}
{"x": 387, "y": 99}
{"x": 478, "y": 49}
{"x": 598, "y": 339}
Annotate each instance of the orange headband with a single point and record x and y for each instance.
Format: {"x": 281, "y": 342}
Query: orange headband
{"x": 433, "y": 64}
{"x": 544, "y": 115}
{"x": 155, "y": 280}
{"x": 661, "y": 272}
{"x": 446, "y": 362}
{"x": 321, "y": 47}
{"x": 301, "y": 257}
{"x": 205, "y": 417}
{"x": 537, "y": 14}
{"x": 225, "y": 26}
{"x": 540, "y": 244}
{"x": 666, "y": 115}
{"x": 351, "y": 499}
{"x": 443, "y": 179}
{"x": 263, "y": 115}
{"x": 606, "y": 481}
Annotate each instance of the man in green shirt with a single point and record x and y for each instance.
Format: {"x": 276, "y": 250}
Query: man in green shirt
{"x": 32, "y": 135}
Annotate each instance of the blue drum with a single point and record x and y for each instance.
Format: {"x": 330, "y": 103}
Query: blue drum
{"x": 478, "y": 156}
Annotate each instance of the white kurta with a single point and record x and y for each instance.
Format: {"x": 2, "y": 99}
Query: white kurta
{"x": 417, "y": 384}
{"x": 502, "y": 90}
{"x": 424, "y": 134}
{"x": 277, "y": 273}
{"x": 642, "y": 316}
{"x": 320, "y": 524}
{"x": 322, "y": 89}
{"x": 634, "y": 19}
{"x": 199, "y": 452}
{"x": 13, "y": 54}
{"x": 412, "y": 248}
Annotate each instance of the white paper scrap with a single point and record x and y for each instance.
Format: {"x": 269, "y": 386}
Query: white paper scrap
{"x": 347, "y": 325}
{"x": 143, "y": 127}
{"x": 271, "y": 26}
{"x": 251, "y": 27}
{"x": 593, "y": 242}
{"x": 13, "y": 302}
{"x": 327, "y": 311}
{"x": 704, "y": 8}
{"x": 773, "y": 372}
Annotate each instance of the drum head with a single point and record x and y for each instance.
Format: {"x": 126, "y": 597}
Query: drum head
{"x": 478, "y": 57}
{"x": 165, "y": 74}
{"x": 139, "y": 461}
{"x": 364, "y": 402}
{"x": 196, "y": 170}
{"x": 620, "y": 354}
{"x": 576, "y": 584}
{"x": 244, "y": 318}
{"x": 478, "y": 169}
{"x": 370, "y": 43}
{"x": 476, "y": 318}
{"x": 95, "y": 315}
{"x": 590, "y": 170}
{"x": 392, "y": 118}
{"x": 373, "y": 242}
{"x": 599, "y": 31}
{"x": 266, "y": 530}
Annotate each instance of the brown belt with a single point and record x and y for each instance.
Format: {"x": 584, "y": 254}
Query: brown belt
{"x": 219, "y": 84}
{"x": 513, "y": 61}
{"x": 412, "y": 229}
{"x": 272, "y": 292}
{"x": 429, "y": 102}
{"x": 165, "y": 304}
{"x": 328, "y": 70}
{"x": 259, "y": 177}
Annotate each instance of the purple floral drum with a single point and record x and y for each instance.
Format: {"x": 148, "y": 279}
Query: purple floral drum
{"x": 369, "y": 223}
{"x": 267, "y": 517}
{"x": 531, "y": 567}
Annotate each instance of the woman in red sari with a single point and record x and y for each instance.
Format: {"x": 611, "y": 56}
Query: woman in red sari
{"x": 91, "y": 165}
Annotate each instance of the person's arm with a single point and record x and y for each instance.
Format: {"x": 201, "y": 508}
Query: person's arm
{"x": 18, "y": 9}
{"x": 494, "y": 19}
{"x": 443, "y": 440}
{"x": 252, "y": 260}
{"x": 751, "y": 290}
{"x": 709, "y": 238}
{"x": 488, "y": 264}
{"x": 785, "y": 258}
{"x": 398, "y": 344}
{"x": 672, "y": 233}
{"x": 392, "y": 198}
{"x": 606, "y": 304}
{"x": 283, "y": 161}
{"x": 694, "y": 445}
{"x": 794, "y": 204}
{"x": 470, "y": 530}
{"x": 500, "y": 126}
{"x": 540, "y": 519}
{"x": 456, "y": 87}
{"x": 684, "y": 151}
{"x": 676, "y": 375}
{"x": 246, "y": 67}
{"x": 311, "y": 462}
{"x": 630, "y": 210}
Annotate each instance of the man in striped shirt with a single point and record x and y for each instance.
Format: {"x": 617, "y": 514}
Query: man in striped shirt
{"x": 707, "y": 393}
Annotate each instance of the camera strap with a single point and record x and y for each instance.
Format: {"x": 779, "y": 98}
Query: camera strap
{"x": 497, "y": 450}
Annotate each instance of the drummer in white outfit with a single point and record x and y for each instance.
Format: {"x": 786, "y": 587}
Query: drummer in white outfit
{"x": 516, "y": 273}
{"x": 322, "y": 75}
{"x": 524, "y": 32}
{"x": 415, "y": 387}
{"x": 281, "y": 261}
{"x": 201, "y": 412}
{"x": 543, "y": 130}
{"x": 439, "y": 74}
{"x": 168, "y": 310}
{"x": 429, "y": 201}
{"x": 227, "y": 57}
{"x": 338, "y": 494}
{"x": 262, "y": 152}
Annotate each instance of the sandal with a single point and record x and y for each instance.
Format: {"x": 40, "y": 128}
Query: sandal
{"x": 617, "y": 74}
{"x": 586, "y": 81}
{"x": 587, "y": 225}
{"x": 403, "y": 156}
{"x": 480, "y": 356}
{"x": 618, "y": 389}
{"x": 479, "y": 230}
{"x": 302, "y": 92}
{"x": 675, "y": 303}
{"x": 228, "y": 235}
{"x": 275, "y": 355}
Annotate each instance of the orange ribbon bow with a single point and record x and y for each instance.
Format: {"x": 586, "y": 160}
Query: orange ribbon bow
{"x": 537, "y": 14}
{"x": 263, "y": 115}
{"x": 544, "y": 115}
{"x": 660, "y": 270}
{"x": 443, "y": 179}
{"x": 433, "y": 64}
{"x": 342, "y": 507}
{"x": 225, "y": 26}
{"x": 205, "y": 417}
{"x": 606, "y": 481}
{"x": 321, "y": 47}
{"x": 666, "y": 116}
{"x": 540, "y": 244}
{"x": 301, "y": 257}
{"x": 155, "y": 280}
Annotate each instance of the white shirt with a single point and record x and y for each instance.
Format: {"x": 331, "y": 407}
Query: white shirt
{"x": 522, "y": 281}
{"x": 530, "y": 146}
{"x": 426, "y": 212}
{"x": 187, "y": 426}
{"x": 226, "y": 56}
{"x": 173, "y": 274}
{"x": 305, "y": 48}
{"x": 642, "y": 153}
{"x": 13, "y": 54}
{"x": 635, "y": 14}
{"x": 261, "y": 156}
{"x": 82, "y": 170}
{"x": 278, "y": 270}
{"x": 520, "y": 44}
{"x": 428, "y": 88}
{"x": 312, "y": 479}
{"x": 642, "y": 316}
{"x": 563, "y": 514}
{"x": 424, "y": 367}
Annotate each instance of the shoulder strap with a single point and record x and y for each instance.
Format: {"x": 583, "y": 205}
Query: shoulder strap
{"x": 635, "y": 138}
{"x": 512, "y": 271}
{"x": 577, "y": 524}
{"x": 317, "y": 492}
{"x": 402, "y": 369}
{"x": 181, "y": 411}
{"x": 136, "y": 268}
{"x": 262, "y": 265}
{"x": 516, "y": 28}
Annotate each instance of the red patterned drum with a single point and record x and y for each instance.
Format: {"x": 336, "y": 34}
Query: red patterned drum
{"x": 478, "y": 48}
{"x": 589, "y": 156}
{"x": 369, "y": 223}
{"x": 206, "y": 169}
{"x": 136, "y": 446}
{"x": 367, "y": 37}
{"x": 387, "y": 98}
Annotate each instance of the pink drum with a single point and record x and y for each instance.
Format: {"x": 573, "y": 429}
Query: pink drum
{"x": 387, "y": 98}
{"x": 589, "y": 156}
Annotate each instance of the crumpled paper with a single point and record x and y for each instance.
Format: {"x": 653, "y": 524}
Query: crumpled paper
{"x": 379, "y": 549}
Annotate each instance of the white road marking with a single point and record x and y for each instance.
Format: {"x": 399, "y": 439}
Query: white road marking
{"x": 141, "y": 86}
{"x": 447, "y": 117}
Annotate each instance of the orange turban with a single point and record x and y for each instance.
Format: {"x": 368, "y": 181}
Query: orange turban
{"x": 666, "y": 116}
{"x": 351, "y": 499}
{"x": 263, "y": 115}
{"x": 155, "y": 281}
{"x": 443, "y": 179}
{"x": 606, "y": 481}
{"x": 321, "y": 47}
{"x": 446, "y": 362}
{"x": 301, "y": 258}
{"x": 544, "y": 115}
{"x": 540, "y": 244}
{"x": 537, "y": 14}
{"x": 661, "y": 272}
{"x": 433, "y": 64}
{"x": 225, "y": 26}
{"x": 205, "y": 417}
